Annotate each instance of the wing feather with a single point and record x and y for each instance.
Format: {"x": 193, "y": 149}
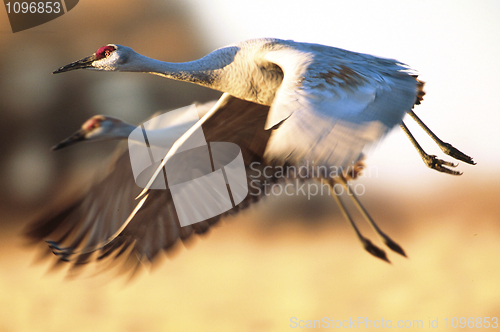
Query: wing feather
{"x": 90, "y": 219}
{"x": 333, "y": 103}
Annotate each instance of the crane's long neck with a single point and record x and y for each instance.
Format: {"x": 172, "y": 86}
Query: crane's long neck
{"x": 235, "y": 70}
{"x": 206, "y": 71}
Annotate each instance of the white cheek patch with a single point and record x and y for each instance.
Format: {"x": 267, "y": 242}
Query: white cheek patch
{"x": 108, "y": 63}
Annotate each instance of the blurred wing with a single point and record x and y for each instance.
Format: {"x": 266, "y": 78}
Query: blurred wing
{"x": 89, "y": 221}
{"x": 333, "y": 103}
{"x": 157, "y": 225}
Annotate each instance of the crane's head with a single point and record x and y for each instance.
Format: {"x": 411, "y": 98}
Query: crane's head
{"x": 110, "y": 58}
{"x": 98, "y": 128}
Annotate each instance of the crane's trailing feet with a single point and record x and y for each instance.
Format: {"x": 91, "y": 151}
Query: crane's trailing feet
{"x": 431, "y": 160}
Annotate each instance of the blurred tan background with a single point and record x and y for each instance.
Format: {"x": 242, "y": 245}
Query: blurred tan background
{"x": 287, "y": 256}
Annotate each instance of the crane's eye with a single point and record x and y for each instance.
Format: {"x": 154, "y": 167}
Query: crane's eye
{"x": 104, "y": 51}
{"x": 92, "y": 123}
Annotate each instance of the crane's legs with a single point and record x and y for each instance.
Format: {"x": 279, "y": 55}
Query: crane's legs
{"x": 431, "y": 160}
{"x": 371, "y": 248}
{"x": 367, "y": 244}
{"x": 386, "y": 239}
{"x": 447, "y": 148}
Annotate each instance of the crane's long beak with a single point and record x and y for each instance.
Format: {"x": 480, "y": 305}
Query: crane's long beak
{"x": 76, "y": 137}
{"x": 80, "y": 64}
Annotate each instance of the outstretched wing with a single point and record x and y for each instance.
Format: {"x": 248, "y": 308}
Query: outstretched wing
{"x": 88, "y": 221}
{"x": 332, "y": 103}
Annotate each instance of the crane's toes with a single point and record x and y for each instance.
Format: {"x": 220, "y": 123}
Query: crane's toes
{"x": 374, "y": 250}
{"x": 450, "y": 150}
{"x": 394, "y": 246}
{"x": 439, "y": 165}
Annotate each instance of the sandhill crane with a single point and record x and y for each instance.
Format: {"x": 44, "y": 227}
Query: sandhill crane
{"x": 324, "y": 93}
{"x": 322, "y": 106}
{"x": 90, "y": 221}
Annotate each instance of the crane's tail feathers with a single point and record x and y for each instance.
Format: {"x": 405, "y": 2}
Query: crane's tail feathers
{"x": 420, "y": 91}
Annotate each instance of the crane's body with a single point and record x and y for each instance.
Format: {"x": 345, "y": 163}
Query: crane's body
{"x": 284, "y": 103}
